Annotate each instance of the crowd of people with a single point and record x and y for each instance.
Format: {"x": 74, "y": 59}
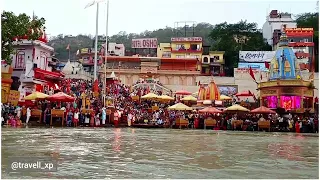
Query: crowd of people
{"x": 89, "y": 110}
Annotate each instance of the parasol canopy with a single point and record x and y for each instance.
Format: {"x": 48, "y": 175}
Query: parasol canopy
{"x": 211, "y": 110}
{"x": 189, "y": 98}
{"x": 150, "y": 96}
{"x": 180, "y": 107}
{"x": 36, "y": 95}
{"x": 263, "y": 110}
{"x": 224, "y": 97}
{"x": 166, "y": 97}
{"x": 60, "y": 97}
{"x": 244, "y": 93}
{"x": 236, "y": 108}
{"x": 183, "y": 92}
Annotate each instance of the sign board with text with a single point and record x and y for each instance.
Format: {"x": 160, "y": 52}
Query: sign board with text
{"x": 13, "y": 97}
{"x": 299, "y": 29}
{"x": 186, "y": 39}
{"x": 145, "y": 43}
{"x": 256, "y": 56}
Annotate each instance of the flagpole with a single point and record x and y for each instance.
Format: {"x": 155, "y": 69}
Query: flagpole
{"x": 96, "y": 45}
{"x": 106, "y": 54}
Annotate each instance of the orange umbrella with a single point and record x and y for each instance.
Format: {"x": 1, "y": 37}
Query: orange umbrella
{"x": 183, "y": 92}
{"x": 263, "y": 110}
{"x": 211, "y": 110}
{"x": 60, "y": 97}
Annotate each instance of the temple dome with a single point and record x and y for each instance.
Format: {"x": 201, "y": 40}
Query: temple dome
{"x": 284, "y": 65}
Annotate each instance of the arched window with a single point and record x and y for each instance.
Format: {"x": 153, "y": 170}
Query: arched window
{"x": 20, "y": 58}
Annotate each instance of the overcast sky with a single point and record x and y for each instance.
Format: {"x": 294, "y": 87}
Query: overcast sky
{"x": 134, "y": 16}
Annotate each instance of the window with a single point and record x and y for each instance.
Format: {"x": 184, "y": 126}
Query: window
{"x": 180, "y": 56}
{"x": 211, "y": 60}
{"x": 216, "y": 58}
{"x": 20, "y": 58}
{"x": 180, "y": 47}
{"x": 194, "y": 47}
{"x": 305, "y": 40}
{"x": 205, "y": 60}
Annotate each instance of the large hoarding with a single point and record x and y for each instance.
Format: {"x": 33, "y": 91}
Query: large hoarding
{"x": 259, "y": 66}
{"x": 145, "y": 43}
{"x": 256, "y": 56}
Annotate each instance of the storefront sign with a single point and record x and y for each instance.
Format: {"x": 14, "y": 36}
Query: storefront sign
{"x": 146, "y": 43}
{"x": 13, "y": 97}
{"x": 256, "y": 56}
{"x": 187, "y": 39}
{"x": 299, "y": 29}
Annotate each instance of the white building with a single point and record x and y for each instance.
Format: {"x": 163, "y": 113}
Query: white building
{"x": 116, "y": 49}
{"x": 33, "y": 66}
{"x": 275, "y": 21}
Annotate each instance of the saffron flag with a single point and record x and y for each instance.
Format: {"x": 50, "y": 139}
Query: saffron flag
{"x": 267, "y": 65}
{"x": 252, "y": 74}
{"x": 68, "y": 47}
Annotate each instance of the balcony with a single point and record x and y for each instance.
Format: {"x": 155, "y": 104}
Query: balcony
{"x": 186, "y": 50}
{"x": 296, "y": 44}
{"x": 302, "y": 54}
{"x": 90, "y": 63}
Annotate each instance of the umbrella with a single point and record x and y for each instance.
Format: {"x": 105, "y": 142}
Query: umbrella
{"x": 183, "y": 92}
{"x": 263, "y": 110}
{"x": 236, "y": 108}
{"x": 180, "y": 107}
{"x": 166, "y": 97}
{"x": 61, "y": 97}
{"x": 36, "y": 95}
{"x": 224, "y": 97}
{"x": 244, "y": 93}
{"x": 211, "y": 110}
{"x": 189, "y": 98}
{"x": 149, "y": 96}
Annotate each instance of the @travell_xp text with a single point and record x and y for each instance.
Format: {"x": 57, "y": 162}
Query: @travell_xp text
{"x": 31, "y": 164}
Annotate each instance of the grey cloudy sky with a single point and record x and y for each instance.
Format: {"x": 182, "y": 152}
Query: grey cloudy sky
{"x": 134, "y": 16}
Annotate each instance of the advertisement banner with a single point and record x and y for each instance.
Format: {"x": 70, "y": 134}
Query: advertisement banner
{"x": 13, "y": 97}
{"x": 256, "y": 56}
{"x": 186, "y": 39}
{"x": 145, "y": 43}
{"x": 260, "y": 66}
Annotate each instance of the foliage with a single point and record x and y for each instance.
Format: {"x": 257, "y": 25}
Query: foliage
{"x": 60, "y": 42}
{"x": 17, "y": 26}
{"x": 311, "y": 20}
{"x": 232, "y": 38}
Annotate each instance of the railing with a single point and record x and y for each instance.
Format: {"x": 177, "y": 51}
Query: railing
{"x": 187, "y": 50}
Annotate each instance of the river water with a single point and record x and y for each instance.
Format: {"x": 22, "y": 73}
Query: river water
{"x": 163, "y": 153}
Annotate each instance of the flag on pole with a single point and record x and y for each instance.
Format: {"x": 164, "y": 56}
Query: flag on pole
{"x": 68, "y": 47}
{"x": 252, "y": 74}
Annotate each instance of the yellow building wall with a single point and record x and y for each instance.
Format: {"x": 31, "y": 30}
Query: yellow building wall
{"x": 163, "y": 48}
{"x": 217, "y": 53}
{"x": 176, "y": 55}
{"x": 186, "y": 44}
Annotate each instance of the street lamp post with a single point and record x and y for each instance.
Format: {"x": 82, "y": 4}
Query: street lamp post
{"x": 106, "y": 57}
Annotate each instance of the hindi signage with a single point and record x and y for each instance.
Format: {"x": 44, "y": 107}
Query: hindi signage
{"x": 299, "y": 29}
{"x": 145, "y": 43}
{"x": 256, "y": 56}
{"x": 186, "y": 39}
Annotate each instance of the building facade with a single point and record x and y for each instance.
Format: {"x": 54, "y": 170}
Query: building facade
{"x": 164, "y": 50}
{"x": 275, "y": 22}
{"x": 213, "y": 64}
{"x": 186, "y": 47}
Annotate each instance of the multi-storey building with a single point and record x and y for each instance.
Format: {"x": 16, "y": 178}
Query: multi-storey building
{"x": 213, "y": 63}
{"x": 186, "y": 47}
{"x": 275, "y": 22}
{"x": 164, "y": 50}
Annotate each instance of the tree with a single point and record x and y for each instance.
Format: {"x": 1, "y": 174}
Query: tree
{"x": 311, "y": 20}
{"x": 232, "y": 38}
{"x": 17, "y": 26}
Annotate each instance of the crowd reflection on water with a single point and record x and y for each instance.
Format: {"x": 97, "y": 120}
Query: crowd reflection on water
{"x": 164, "y": 153}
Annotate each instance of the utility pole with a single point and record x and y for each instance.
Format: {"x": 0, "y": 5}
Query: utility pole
{"x": 106, "y": 56}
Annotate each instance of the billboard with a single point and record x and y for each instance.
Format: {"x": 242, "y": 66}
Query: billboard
{"x": 186, "y": 39}
{"x": 145, "y": 43}
{"x": 258, "y": 66}
{"x": 256, "y": 56}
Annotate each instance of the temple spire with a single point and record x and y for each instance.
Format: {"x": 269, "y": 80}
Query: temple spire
{"x": 283, "y": 38}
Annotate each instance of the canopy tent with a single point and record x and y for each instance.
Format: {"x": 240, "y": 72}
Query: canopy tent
{"x": 189, "y": 98}
{"x": 224, "y": 97}
{"x": 263, "y": 110}
{"x": 60, "y": 97}
{"x": 150, "y": 96}
{"x": 166, "y": 97}
{"x": 183, "y": 92}
{"x": 236, "y": 108}
{"x": 244, "y": 94}
{"x": 211, "y": 110}
{"x": 180, "y": 107}
{"x": 36, "y": 95}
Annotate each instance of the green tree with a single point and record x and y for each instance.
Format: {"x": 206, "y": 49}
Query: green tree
{"x": 311, "y": 20}
{"x": 232, "y": 38}
{"x": 17, "y": 26}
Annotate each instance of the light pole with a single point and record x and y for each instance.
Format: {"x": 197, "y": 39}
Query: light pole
{"x": 96, "y": 41}
{"x": 106, "y": 57}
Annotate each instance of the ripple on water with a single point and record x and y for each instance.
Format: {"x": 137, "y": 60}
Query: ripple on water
{"x": 164, "y": 153}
